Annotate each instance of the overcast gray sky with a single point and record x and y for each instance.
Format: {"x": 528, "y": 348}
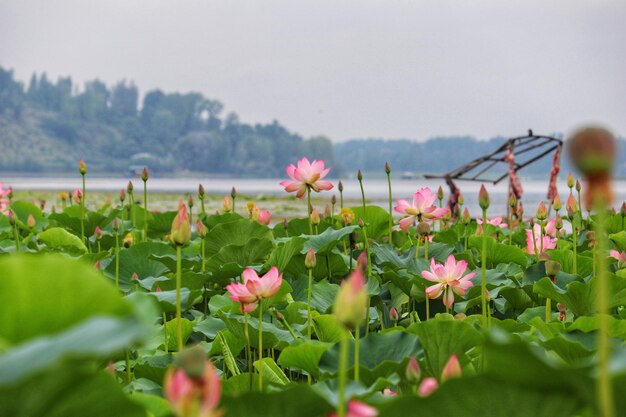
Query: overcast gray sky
{"x": 365, "y": 68}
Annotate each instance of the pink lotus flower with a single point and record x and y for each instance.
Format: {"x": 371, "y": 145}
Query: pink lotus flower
{"x": 496, "y": 221}
{"x": 534, "y": 242}
{"x": 358, "y": 409}
{"x": 193, "y": 396}
{"x": 427, "y": 387}
{"x": 78, "y": 195}
{"x": 254, "y": 288}
{"x": 180, "y": 233}
{"x": 351, "y": 303}
{"x": 620, "y": 256}
{"x": 421, "y": 209}
{"x": 452, "y": 368}
{"x": 389, "y": 392}
{"x": 306, "y": 176}
{"x": 264, "y": 217}
{"x": 448, "y": 276}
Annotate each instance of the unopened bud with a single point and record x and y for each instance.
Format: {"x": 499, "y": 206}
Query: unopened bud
{"x": 190, "y": 201}
{"x": 309, "y": 260}
{"x": 465, "y": 217}
{"x": 483, "y": 198}
{"x": 440, "y": 194}
{"x": 461, "y": 200}
{"x": 181, "y": 228}
{"x": 570, "y": 180}
{"x": 97, "y": 233}
{"x": 122, "y": 195}
{"x": 340, "y": 186}
{"x": 413, "y": 372}
{"x": 327, "y": 211}
{"x": 393, "y": 314}
{"x": 315, "y": 217}
{"x": 134, "y": 277}
{"x": 360, "y": 222}
{"x": 427, "y": 387}
{"x": 578, "y": 186}
{"x": 452, "y": 369}
{"x": 285, "y": 224}
{"x": 571, "y": 205}
{"x": 542, "y": 211}
{"x": 622, "y": 210}
{"x": 11, "y": 216}
{"x": 201, "y": 229}
{"x": 387, "y": 168}
{"x": 129, "y": 240}
{"x": 30, "y": 221}
{"x": 512, "y": 200}
{"x": 556, "y": 203}
{"x": 520, "y": 211}
{"x": 333, "y": 199}
{"x": 201, "y": 193}
{"x": 233, "y": 192}
{"x": 359, "y": 175}
{"x": 558, "y": 222}
{"x": 82, "y": 167}
{"x": 115, "y": 224}
{"x": 144, "y": 174}
{"x": 227, "y": 204}
{"x": 129, "y": 187}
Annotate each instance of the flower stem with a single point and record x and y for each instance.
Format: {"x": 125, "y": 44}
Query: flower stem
{"x": 604, "y": 388}
{"x": 308, "y": 209}
{"x": 390, "y": 206}
{"x": 128, "y": 374}
{"x": 131, "y": 202}
{"x": 16, "y": 235}
{"x": 82, "y": 213}
{"x": 145, "y": 207}
{"x": 117, "y": 260}
{"x": 343, "y": 364}
{"x": 260, "y": 346}
{"x": 574, "y": 244}
{"x": 357, "y": 337}
{"x": 417, "y": 247}
{"x": 166, "y": 342}
{"x": 427, "y": 307}
{"x": 425, "y": 247}
{"x": 179, "y": 321}
{"x": 483, "y": 268}
{"x": 548, "y": 309}
{"x": 308, "y": 307}
{"x": 248, "y": 349}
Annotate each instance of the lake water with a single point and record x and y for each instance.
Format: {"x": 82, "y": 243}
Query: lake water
{"x": 376, "y": 190}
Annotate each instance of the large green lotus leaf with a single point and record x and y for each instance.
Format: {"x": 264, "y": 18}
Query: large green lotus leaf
{"x": 304, "y": 355}
{"x": 23, "y": 209}
{"x": 286, "y": 249}
{"x": 498, "y": 253}
{"x": 325, "y": 242}
{"x": 480, "y": 396}
{"x": 160, "y": 224}
{"x": 153, "y": 367}
{"x": 156, "y": 406}
{"x": 172, "y": 332}
{"x": 619, "y": 239}
{"x": 449, "y": 236}
{"x": 584, "y": 265}
{"x": 271, "y": 372}
{"x": 441, "y": 338}
{"x": 438, "y": 251}
{"x": 273, "y": 337}
{"x": 45, "y": 294}
{"x": 62, "y": 240}
{"x": 167, "y": 299}
{"x": 137, "y": 259}
{"x": 216, "y": 219}
{"x": 237, "y": 233}
{"x": 323, "y": 294}
{"x": 376, "y": 219}
{"x": 297, "y": 227}
{"x": 70, "y": 219}
{"x": 328, "y": 329}
{"x": 300, "y": 400}
{"x": 380, "y": 355}
{"x": 336, "y": 261}
{"x": 581, "y": 297}
{"x": 65, "y": 391}
{"x": 252, "y": 251}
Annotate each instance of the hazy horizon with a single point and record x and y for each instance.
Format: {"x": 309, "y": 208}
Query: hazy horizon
{"x": 367, "y": 69}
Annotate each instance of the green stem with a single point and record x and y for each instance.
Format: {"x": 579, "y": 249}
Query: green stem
{"x": 548, "y": 309}
{"x": 82, "y": 213}
{"x": 234, "y": 211}
{"x": 260, "y": 346}
{"x": 16, "y": 234}
{"x": 203, "y": 267}
{"x": 483, "y": 267}
{"x": 308, "y": 209}
{"x": 363, "y": 200}
{"x": 131, "y": 200}
{"x": 510, "y": 227}
{"x": 128, "y": 374}
{"x": 308, "y": 307}
{"x": 165, "y": 333}
{"x": 574, "y": 245}
{"x": 417, "y": 247}
{"x": 604, "y": 388}
{"x": 117, "y": 260}
{"x": 390, "y": 206}
{"x": 343, "y": 373}
{"x": 357, "y": 337}
{"x": 427, "y": 308}
{"x": 248, "y": 348}
{"x": 202, "y": 210}
{"x": 426, "y": 241}
{"x": 145, "y": 207}
{"x": 179, "y": 321}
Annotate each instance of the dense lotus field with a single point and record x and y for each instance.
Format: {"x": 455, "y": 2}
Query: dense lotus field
{"x": 120, "y": 311}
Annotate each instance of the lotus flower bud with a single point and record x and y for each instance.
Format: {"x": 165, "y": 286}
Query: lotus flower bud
{"x": 558, "y": 222}
{"x": 82, "y": 167}
{"x": 63, "y": 196}
{"x": 201, "y": 229}
{"x": 452, "y": 369}
{"x": 134, "y": 277}
{"x": 30, "y": 221}
{"x": 181, "y": 228}
{"x": 351, "y": 303}
{"x": 542, "y": 211}
{"x": 613, "y": 211}
{"x": 285, "y": 224}
{"x": 42, "y": 204}
{"x": 194, "y": 389}
{"x": 570, "y": 181}
{"x": 461, "y": 200}
{"x": 359, "y": 175}
{"x": 512, "y": 200}
{"x": 315, "y": 217}
{"x": 327, "y": 211}
{"x": 393, "y": 314}
{"x": 11, "y": 216}
{"x": 144, "y": 174}
{"x": 622, "y": 210}
{"x": 9, "y": 193}
{"x": 158, "y": 289}
{"x": 571, "y": 205}
{"x": 333, "y": 199}
{"x": 129, "y": 240}
{"x": 556, "y": 203}
{"x": 562, "y": 312}
{"x": 361, "y": 223}
{"x": 483, "y": 198}
{"x": 78, "y": 195}
{"x": 465, "y": 218}
{"x": 591, "y": 236}
{"x": 413, "y": 372}
{"x": 440, "y": 194}
{"x": 361, "y": 261}
{"x": 190, "y": 201}
{"x": 446, "y": 215}
{"x": 115, "y": 224}
{"x": 130, "y": 187}
{"x": 122, "y": 195}
{"x": 97, "y": 233}
{"x": 310, "y": 260}
{"x": 520, "y": 211}
{"x": 427, "y": 387}
{"x": 387, "y": 168}
{"x": 423, "y": 229}
{"x": 264, "y": 217}
{"x": 552, "y": 268}
{"x": 98, "y": 264}
{"x": 340, "y": 186}
{"x": 578, "y": 186}
{"x": 227, "y": 204}
{"x": 201, "y": 193}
